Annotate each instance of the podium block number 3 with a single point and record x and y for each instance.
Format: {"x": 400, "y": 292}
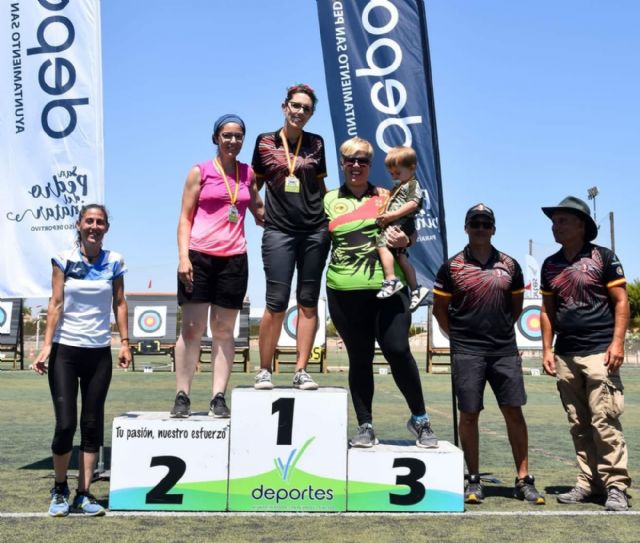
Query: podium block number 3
{"x": 284, "y": 406}
{"x": 159, "y": 493}
{"x": 417, "y": 491}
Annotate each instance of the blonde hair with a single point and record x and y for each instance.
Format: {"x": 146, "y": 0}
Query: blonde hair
{"x": 355, "y": 144}
{"x": 401, "y": 156}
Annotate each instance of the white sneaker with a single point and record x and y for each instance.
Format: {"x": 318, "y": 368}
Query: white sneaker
{"x": 417, "y": 295}
{"x": 263, "y": 380}
{"x": 303, "y": 381}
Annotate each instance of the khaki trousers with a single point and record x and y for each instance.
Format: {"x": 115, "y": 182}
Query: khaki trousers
{"x": 594, "y": 401}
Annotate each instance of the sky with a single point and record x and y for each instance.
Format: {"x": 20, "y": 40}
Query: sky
{"x": 534, "y": 101}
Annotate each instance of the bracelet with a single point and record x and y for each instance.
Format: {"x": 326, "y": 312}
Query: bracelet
{"x": 124, "y": 339}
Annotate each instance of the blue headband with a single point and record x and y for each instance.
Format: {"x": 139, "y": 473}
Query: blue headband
{"x": 228, "y": 118}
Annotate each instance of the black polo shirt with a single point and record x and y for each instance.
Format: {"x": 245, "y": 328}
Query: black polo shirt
{"x": 291, "y": 212}
{"x": 585, "y": 316}
{"x": 480, "y": 318}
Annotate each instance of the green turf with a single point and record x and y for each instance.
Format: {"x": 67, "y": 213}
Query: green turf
{"x": 26, "y": 420}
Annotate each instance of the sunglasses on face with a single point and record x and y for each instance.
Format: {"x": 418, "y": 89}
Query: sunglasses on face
{"x": 352, "y": 160}
{"x": 297, "y": 106}
{"x": 480, "y": 224}
{"x": 229, "y": 136}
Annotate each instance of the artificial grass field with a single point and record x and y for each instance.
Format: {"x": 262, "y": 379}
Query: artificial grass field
{"x": 26, "y": 425}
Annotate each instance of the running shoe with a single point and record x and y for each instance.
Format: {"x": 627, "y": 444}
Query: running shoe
{"x": 59, "y": 506}
{"x": 576, "y": 495}
{"x": 421, "y": 429}
{"x": 263, "y": 380}
{"x": 218, "y": 407}
{"x": 617, "y": 500}
{"x": 525, "y": 489}
{"x": 303, "y": 381}
{"x": 474, "y": 492}
{"x": 86, "y": 503}
{"x": 181, "y": 406}
{"x": 365, "y": 437}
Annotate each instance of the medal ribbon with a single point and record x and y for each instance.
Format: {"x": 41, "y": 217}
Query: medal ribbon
{"x": 285, "y": 144}
{"x": 233, "y": 197}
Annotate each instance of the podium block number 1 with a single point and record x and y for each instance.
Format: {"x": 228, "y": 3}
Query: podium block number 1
{"x": 284, "y": 408}
{"x": 282, "y": 456}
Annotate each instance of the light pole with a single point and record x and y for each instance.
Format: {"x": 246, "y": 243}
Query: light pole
{"x": 592, "y": 193}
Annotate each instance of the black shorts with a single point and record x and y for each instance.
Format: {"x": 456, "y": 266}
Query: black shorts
{"x": 219, "y": 280}
{"x": 504, "y": 373}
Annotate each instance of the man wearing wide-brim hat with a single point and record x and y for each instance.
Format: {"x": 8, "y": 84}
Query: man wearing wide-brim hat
{"x": 585, "y": 306}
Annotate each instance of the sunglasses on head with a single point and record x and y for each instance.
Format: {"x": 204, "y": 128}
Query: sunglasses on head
{"x": 480, "y": 224}
{"x": 351, "y": 160}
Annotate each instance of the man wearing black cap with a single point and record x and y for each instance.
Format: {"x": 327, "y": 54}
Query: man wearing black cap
{"x": 478, "y": 297}
{"x": 585, "y": 305}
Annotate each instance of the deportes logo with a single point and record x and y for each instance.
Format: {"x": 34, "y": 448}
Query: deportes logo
{"x": 286, "y": 470}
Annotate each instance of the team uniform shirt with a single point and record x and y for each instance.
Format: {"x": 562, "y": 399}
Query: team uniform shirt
{"x": 480, "y": 317}
{"x": 212, "y": 232}
{"x": 291, "y": 212}
{"x": 88, "y": 295}
{"x": 584, "y": 319}
{"x": 354, "y": 263}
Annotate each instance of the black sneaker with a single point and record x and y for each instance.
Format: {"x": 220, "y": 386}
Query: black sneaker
{"x": 425, "y": 437}
{"x": 365, "y": 437}
{"x": 218, "y": 407}
{"x": 474, "y": 492}
{"x": 181, "y": 407}
{"x": 525, "y": 489}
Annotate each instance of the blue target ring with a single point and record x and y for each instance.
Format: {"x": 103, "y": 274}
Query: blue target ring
{"x": 3, "y": 317}
{"x": 150, "y": 321}
{"x": 291, "y": 322}
{"x": 529, "y": 323}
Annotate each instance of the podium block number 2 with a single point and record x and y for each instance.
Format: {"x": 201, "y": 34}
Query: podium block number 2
{"x": 417, "y": 491}
{"x": 159, "y": 493}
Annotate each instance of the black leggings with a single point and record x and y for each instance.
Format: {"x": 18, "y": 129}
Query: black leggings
{"x": 360, "y": 318}
{"x": 92, "y": 369}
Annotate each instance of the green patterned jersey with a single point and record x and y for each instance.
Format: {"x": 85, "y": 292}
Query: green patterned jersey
{"x": 354, "y": 261}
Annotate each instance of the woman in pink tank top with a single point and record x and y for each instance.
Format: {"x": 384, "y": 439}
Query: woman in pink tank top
{"x": 213, "y": 268}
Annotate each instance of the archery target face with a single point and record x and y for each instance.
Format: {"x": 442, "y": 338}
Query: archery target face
{"x": 529, "y": 323}
{"x": 5, "y": 317}
{"x": 290, "y": 325}
{"x": 150, "y": 321}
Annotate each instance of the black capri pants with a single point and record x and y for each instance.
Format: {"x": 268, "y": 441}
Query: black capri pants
{"x": 90, "y": 369}
{"x": 360, "y": 318}
{"x": 282, "y": 253}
